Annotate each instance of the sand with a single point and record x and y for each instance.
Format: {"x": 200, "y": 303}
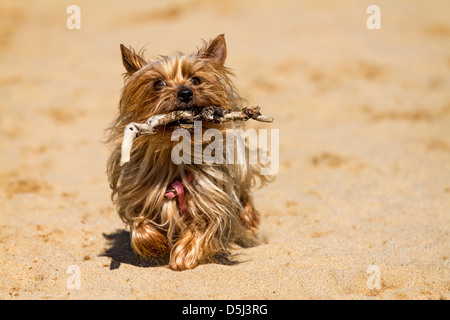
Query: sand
{"x": 360, "y": 208}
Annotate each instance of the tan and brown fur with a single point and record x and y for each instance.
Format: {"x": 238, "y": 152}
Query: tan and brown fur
{"x": 220, "y": 208}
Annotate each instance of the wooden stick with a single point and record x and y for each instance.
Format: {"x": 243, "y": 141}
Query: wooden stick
{"x": 207, "y": 114}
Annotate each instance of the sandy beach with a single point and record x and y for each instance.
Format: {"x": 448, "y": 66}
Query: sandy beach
{"x": 359, "y": 209}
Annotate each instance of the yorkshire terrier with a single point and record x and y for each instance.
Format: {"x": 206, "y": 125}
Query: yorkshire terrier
{"x": 188, "y": 213}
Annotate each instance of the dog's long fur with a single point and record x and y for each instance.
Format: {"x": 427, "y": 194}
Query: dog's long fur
{"x": 220, "y": 208}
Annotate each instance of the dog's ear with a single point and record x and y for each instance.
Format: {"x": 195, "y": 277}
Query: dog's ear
{"x": 216, "y": 50}
{"x": 131, "y": 60}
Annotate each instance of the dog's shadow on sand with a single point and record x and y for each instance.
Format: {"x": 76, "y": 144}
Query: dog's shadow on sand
{"x": 120, "y": 251}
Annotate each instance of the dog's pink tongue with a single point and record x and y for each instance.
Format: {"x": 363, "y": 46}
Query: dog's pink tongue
{"x": 177, "y": 190}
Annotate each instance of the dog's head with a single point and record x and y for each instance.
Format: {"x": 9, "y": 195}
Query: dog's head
{"x": 178, "y": 82}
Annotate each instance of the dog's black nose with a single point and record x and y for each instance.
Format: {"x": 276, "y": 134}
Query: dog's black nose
{"x": 185, "y": 95}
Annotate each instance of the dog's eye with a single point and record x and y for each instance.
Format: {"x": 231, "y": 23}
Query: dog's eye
{"x": 159, "y": 84}
{"x": 195, "y": 81}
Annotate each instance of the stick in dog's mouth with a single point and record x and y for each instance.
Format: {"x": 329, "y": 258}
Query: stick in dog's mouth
{"x": 208, "y": 114}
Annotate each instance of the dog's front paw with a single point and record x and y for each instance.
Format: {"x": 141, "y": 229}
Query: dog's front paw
{"x": 186, "y": 253}
{"x": 148, "y": 242}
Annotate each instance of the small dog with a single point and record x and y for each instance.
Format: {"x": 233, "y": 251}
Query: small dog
{"x": 187, "y": 212}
